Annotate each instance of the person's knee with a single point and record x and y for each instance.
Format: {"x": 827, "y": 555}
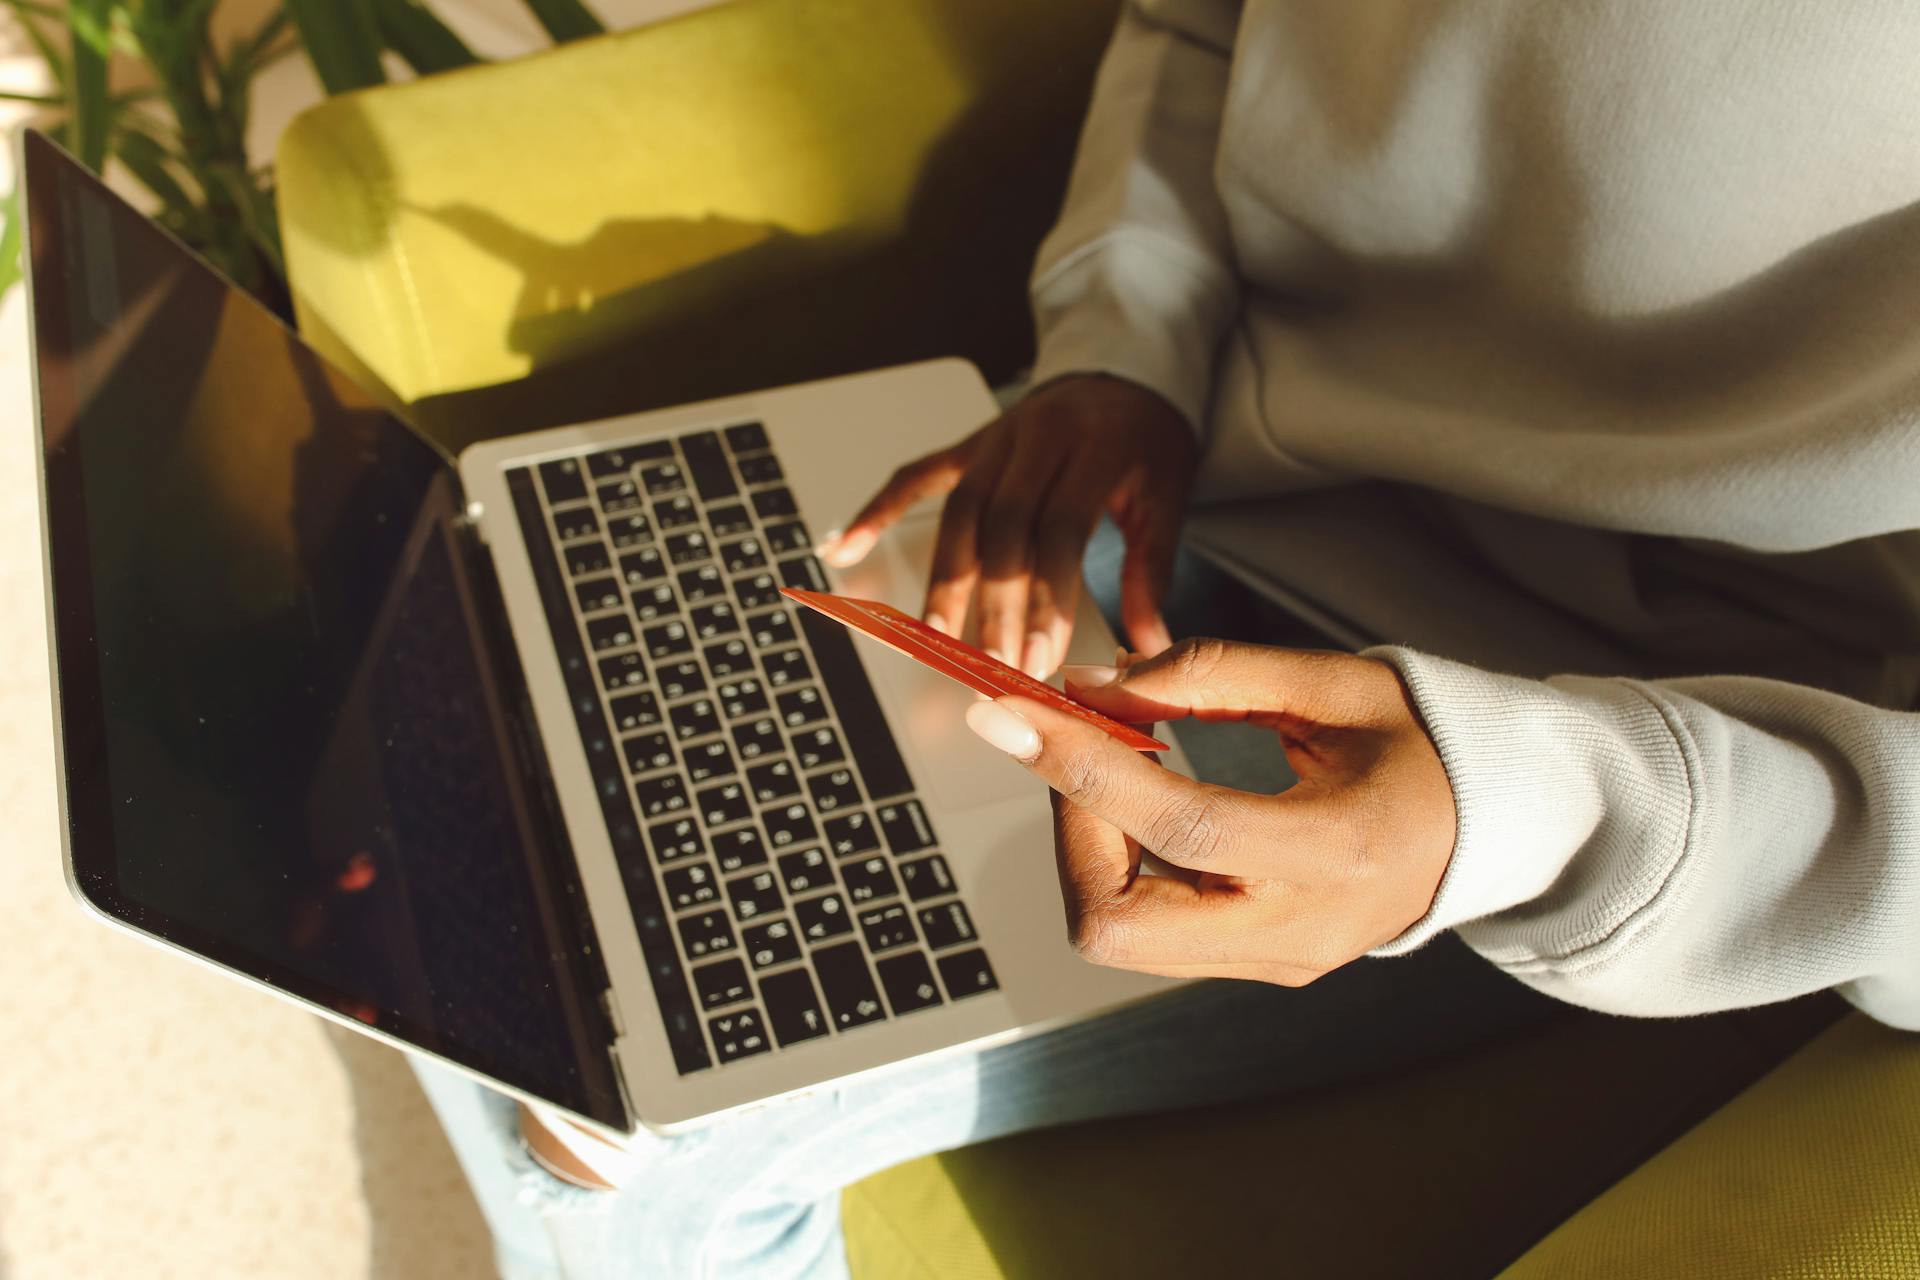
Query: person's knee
{"x": 570, "y": 1156}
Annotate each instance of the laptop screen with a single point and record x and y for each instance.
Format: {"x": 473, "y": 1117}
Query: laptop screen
{"x": 284, "y": 736}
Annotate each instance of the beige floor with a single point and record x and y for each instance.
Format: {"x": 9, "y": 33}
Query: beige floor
{"x": 155, "y": 1119}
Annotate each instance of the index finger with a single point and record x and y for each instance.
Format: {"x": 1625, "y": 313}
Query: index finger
{"x": 922, "y": 478}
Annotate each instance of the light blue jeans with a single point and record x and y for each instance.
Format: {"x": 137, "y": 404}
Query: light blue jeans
{"x": 759, "y": 1194}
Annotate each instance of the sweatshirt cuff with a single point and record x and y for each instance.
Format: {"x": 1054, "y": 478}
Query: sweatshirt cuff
{"x": 1523, "y": 802}
{"x": 1136, "y": 308}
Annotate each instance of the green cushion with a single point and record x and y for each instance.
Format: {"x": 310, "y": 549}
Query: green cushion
{"x": 762, "y": 192}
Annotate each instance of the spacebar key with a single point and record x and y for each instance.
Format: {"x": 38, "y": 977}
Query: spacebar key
{"x": 869, "y": 739}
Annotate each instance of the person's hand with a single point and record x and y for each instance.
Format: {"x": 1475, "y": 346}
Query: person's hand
{"x": 1024, "y": 494}
{"x": 1278, "y": 888}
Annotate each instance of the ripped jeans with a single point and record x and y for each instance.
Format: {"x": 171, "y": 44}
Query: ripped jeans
{"x": 758, "y": 1194}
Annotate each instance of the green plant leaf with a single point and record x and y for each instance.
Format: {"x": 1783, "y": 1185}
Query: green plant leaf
{"x": 38, "y": 99}
{"x": 342, "y": 40}
{"x": 89, "y": 27}
{"x": 10, "y": 268}
{"x": 566, "y": 19}
{"x": 412, "y": 31}
{"x": 24, "y": 12}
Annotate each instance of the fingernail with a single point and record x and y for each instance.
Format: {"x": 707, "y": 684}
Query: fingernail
{"x": 1039, "y": 654}
{"x": 843, "y": 549}
{"x": 938, "y": 623}
{"x": 1004, "y": 729}
{"x": 1090, "y": 677}
{"x": 1120, "y": 656}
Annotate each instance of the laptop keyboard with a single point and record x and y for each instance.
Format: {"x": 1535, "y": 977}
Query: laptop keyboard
{"x": 785, "y": 879}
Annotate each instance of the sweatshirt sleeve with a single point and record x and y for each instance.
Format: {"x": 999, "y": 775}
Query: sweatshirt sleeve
{"x": 1677, "y": 846}
{"x": 1136, "y": 279}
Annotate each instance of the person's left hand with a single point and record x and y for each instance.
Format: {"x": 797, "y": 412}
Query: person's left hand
{"x": 1277, "y": 888}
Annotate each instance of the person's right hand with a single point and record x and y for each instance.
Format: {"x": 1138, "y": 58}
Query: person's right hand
{"x": 1024, "y": 494}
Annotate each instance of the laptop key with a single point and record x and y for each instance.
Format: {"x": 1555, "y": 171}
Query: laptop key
{"x": 708, "y": 462}
{"x": 801, "y": 706}
{"x": 870, "y": 878}
{"x": 729, "y": 521}
{"x": 619, "y": 497}
{"x": 789, "y": 666}
{"x": 642, "y": 566}
{"x": 806, "y": 871}
{"x": 629, "y": 532}
{"x": 805, "y": 573}
{"x": 756, "y": 592}
{"x": 647, "y": 752}
{"x": 774, "y": 780}
{"x": 792, "y": 1007}
{"x": 612, "y": 462}
{"x": 772, "y": 504}
{"x": 724, "y": 805}
{"x": 822, "y": 918}
{"x": 689, "y": 884}
{"x": 967, "y": 973}
{"x": 722, "y": 983}
{"x": 704, "y": 583}
{"x": 886, "y": 927}
{"x": 851, "y": 834}
{"x": 622, "y": 671}
{"x": 667, "y": 640}
{"x": 728, "y": 658}
{"x": 848, "y": 985}
{"x": 764, "y": 469}
{"x": 754, "y": 896}
{"x": 772, "y": 630}
{"x": 785, "y": 539}
{"x": 596, "y": 594}
{"x": 818, "y": 746}
{"x": 586, "y": 557}
{"x": 906, "y": 826}
{"x": 654, "y": 602}
{"x": 742, "y": 698}
{"x": 662, "y": 795}
{"x": 738, "y": 1035}
{"x": 709, "y": 760}
{"x": 663, "y": 479}
{"x": 757, "y": 738}
{"x": 563, "y": 481}
{"x": 947, "y": 925}
{"x": 575, "y": 522}
{"x": 635, "y": 711}
{"x": 789, "y": 825}
{"x": 738, "y": 850}
{"x": 738, "y": 557}
{"x": 676, "y": 513}
{"x": 748, "y": 437}
{"x": 694, "y": 719}
{"x": 685, "y": 548}
{"x": 711, "y": 621}
{"x": 675, "y": 839}
{"x": 708, "y": 934}
{"x": 609, "y": 633}
{"x": 908, "y": 980}
{"x": 926, "y": 878}
{"x": 770, "y": 945}
{"x": 678, "y": 679}
{"x": 835, "y": 790}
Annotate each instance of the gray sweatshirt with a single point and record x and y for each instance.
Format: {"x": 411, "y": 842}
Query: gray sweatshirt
{"x": 1562, "y": 338}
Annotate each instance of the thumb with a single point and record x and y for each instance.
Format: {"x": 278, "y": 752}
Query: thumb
{"x": 1227, "y": 680}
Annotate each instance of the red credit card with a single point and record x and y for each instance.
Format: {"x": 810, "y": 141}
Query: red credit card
{"x": 972, "y": 667}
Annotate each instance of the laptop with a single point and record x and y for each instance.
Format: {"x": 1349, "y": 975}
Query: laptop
{"x": 518, "y": 759}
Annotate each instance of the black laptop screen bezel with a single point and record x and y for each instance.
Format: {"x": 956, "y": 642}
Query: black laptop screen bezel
{"x": 80, "y": 728}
